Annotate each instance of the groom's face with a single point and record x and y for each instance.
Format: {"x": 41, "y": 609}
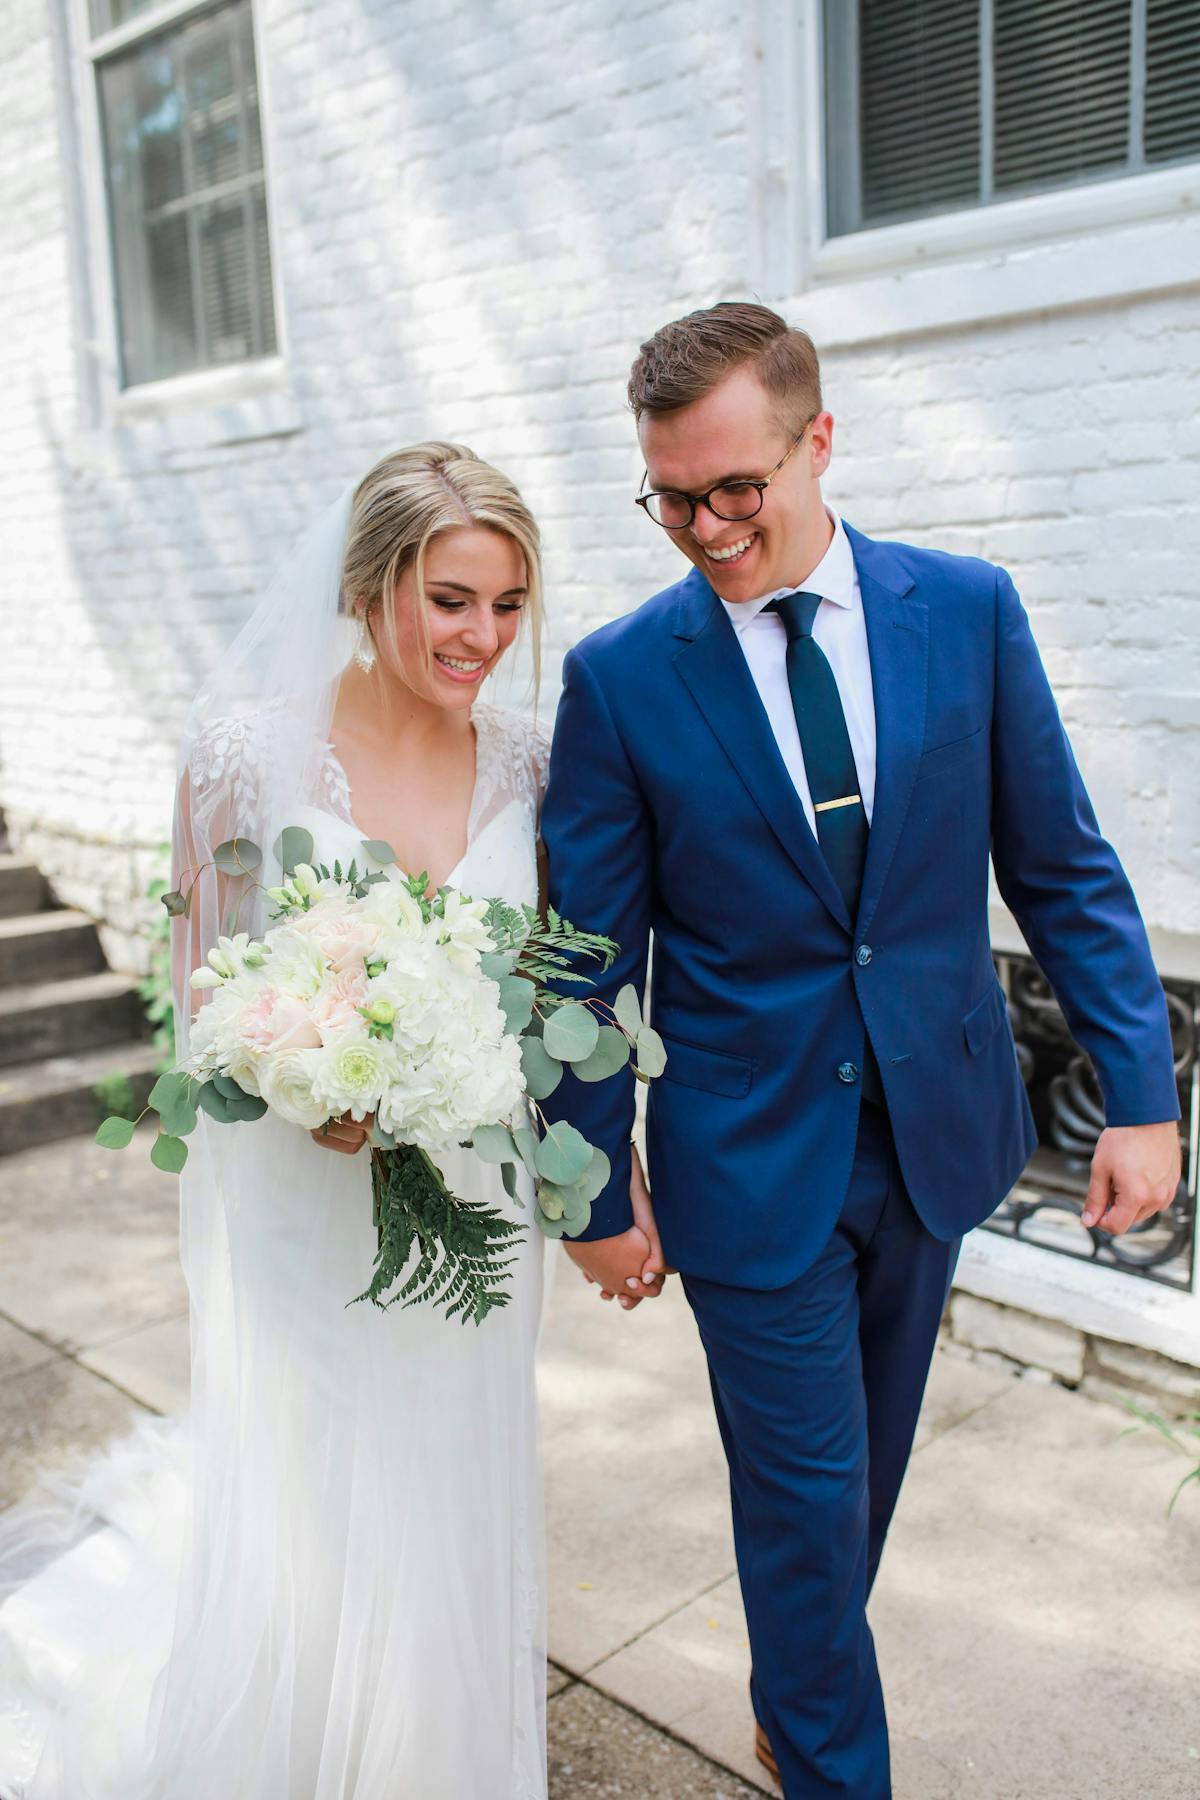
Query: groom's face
{"x": 730, "y": 434}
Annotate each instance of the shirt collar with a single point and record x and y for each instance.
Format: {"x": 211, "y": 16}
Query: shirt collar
{"x": 834, "y": 578}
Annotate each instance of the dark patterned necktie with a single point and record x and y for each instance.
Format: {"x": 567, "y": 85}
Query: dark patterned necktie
{"x": 842, "y": 828}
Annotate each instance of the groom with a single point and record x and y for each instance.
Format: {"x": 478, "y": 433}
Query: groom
{"x": 791, "y": 768}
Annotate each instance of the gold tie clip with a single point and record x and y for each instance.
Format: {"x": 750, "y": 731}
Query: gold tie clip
{"x": 829, "y": 805}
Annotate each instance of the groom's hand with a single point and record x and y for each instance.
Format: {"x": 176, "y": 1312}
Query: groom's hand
{"x": 635, "y": 1255}
{"x": 1135, "y": 1173}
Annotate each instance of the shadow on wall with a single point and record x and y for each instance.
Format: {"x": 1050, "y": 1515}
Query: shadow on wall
{"x": 429, "y": 190}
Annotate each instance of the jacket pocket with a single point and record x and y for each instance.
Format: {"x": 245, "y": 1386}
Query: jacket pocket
{"x": 712, "y": 1071}
{"x": 947, "y": 756}
{"x": 984, "y": 1021}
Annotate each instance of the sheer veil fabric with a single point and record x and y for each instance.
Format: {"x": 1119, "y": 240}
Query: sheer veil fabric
{"x": 328, "y": 1583}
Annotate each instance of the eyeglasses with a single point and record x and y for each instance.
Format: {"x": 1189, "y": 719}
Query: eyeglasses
{"x": 730, "y": 500}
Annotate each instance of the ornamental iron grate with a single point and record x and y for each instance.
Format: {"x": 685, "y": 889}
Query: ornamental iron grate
{"x": 1044, "y": 1207}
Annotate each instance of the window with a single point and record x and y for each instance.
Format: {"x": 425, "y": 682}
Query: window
{"x": 183, "y": 169}
{"x": 938, "y": 105}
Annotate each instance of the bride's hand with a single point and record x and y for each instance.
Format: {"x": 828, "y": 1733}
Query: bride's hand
{"x": 655, "y": 1267}
{"x": 345, "y": 1135}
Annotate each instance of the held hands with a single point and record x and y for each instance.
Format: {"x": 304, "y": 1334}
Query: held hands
{"x": 1135, "y": 1172}
{"x": 631, "y": 1265}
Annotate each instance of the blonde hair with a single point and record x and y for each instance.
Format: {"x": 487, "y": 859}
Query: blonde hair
{"x": 407, "y": 500}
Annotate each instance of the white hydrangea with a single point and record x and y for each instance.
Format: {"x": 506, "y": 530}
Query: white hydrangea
{"x": 359, "y": 1006}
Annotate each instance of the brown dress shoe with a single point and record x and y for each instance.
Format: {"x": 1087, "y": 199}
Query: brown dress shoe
{"x": 764, "y": 1752}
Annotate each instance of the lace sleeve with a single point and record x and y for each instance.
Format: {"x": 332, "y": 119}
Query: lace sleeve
{"x": 514, "y": 758}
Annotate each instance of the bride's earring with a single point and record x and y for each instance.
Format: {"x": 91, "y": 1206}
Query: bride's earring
{"x": 364, "y": 648}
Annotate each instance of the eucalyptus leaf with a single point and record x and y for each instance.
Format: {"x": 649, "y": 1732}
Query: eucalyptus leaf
{"x": 174, "y": 1100}
{"x": 237, "y": 856}
{"x": 527, "y": 1145}
{"x": 175, "y": 904}
{"x": 508, "y": 1175}
{"x": 542, "y": 1071}
{"x": 494, "y": 1144}
{"x": 228, "y": 1088}
{"x": 516, "y": 1001}
{"x": 168, "y": 1153}
{"x": 497, "y": 964}
{"x": 563, "y": 1154}
{"x": 378, "y": 849}
{"x": 628, "y": 1009}
{"x": 293, "y": 845}
{"x": 114, "y": 1134}
{"x": 549, "y": 1202}
{"x": 571, "y": 1033}
{"x": 595, "y": 1177}
{"x": 610, "y": 1055}
{"x": 214, "y": 1103}
{"x": 651, "y": 1052}
{"x": 551, "y": 1228}
{"x": 247, "y": 1109}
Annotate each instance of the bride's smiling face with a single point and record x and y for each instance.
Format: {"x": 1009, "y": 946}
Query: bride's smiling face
{"x": 475, "y": 590}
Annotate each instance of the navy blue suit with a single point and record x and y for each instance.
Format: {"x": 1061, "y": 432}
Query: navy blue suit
{"x": 670, "y": 812}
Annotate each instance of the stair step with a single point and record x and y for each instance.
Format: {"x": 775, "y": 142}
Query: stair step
{"x": 65, "y": 1018}
{"x": 45, "y": 946}
{"x": 22, "y": 886}
{"x": 43, "y": 1101}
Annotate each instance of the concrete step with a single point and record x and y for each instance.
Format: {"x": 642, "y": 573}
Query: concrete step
{"x": 22, "y": 886}
{"x": 57, "y": 1098}
{"x": 65, "y": 1018}
{"x": 46, "y": 946}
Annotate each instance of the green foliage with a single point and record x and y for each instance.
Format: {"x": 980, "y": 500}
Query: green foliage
{"x": 168, "y": 1153}
{"x": 238, "y": 856}
{"x": 458, "y": 1244}
{"x": 114, "y": 1095}
{"x": 1184, "y": 1437}
{"x": 608, "y": 1058}
{"x": 293, "y": 845}
{"x": 563, "y": 1154}
{"x": 155, "y": 988}
{"x": 173, "y": 1098}
{"x": 114, "y": 1134}
{"x": 571, "y": 1033}
{"x": 543, "y": 1072}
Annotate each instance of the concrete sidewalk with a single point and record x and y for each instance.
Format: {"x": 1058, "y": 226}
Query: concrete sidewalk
{"x": 1038, "y": 1617}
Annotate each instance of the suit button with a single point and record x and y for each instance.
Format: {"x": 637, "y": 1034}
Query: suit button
{"x": 847, "y": 1073}
{"x": 862, "y": 955}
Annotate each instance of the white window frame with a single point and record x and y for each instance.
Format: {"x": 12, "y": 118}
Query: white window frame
{"x": 1136, "y": 234}
{"x": 205, "y": 407}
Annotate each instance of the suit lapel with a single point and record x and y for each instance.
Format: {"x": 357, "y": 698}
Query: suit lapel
{"x": 711, "y": 663}
{"x": 898, "y": 642}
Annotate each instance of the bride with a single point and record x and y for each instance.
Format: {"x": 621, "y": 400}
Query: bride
{"x": 329, "y": 1587}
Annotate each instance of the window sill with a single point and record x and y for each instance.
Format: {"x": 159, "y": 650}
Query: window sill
{"x": 1042, "y": 254}
{"x": 170, "y": 420}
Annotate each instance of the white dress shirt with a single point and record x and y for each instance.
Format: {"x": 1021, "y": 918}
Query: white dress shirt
{"x": 840, "y": 629}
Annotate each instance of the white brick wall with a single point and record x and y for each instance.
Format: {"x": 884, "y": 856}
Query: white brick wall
{"x": 476, "y": 221}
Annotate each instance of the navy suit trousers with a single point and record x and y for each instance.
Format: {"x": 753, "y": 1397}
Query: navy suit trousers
{"x": 817, "y": 1388}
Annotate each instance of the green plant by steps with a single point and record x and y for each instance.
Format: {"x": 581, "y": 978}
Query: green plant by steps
{"x": 155, "y": 988}
{"x": 114, "y": 1095}
{"x": 1183, "y": 1436}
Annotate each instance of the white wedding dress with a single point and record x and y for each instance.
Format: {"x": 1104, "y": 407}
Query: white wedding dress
{"x": 328, "y": 1584}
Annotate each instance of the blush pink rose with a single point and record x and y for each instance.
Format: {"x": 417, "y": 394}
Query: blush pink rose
{"x": 256, "y": 1028}
{"x": 294, "y": 1027}
{"x": 339, "y": 1007}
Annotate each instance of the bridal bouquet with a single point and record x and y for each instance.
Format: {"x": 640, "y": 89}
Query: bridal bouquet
{"x": 435, "y": 1016}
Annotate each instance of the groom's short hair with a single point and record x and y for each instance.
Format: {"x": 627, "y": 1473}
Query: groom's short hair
{"x": 686, "y": 359}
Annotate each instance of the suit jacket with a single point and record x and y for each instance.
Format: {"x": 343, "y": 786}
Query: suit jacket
{"x": 669, "y": 811}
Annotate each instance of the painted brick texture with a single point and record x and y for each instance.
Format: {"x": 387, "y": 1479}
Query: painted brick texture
{"x": 477, "y": 217}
